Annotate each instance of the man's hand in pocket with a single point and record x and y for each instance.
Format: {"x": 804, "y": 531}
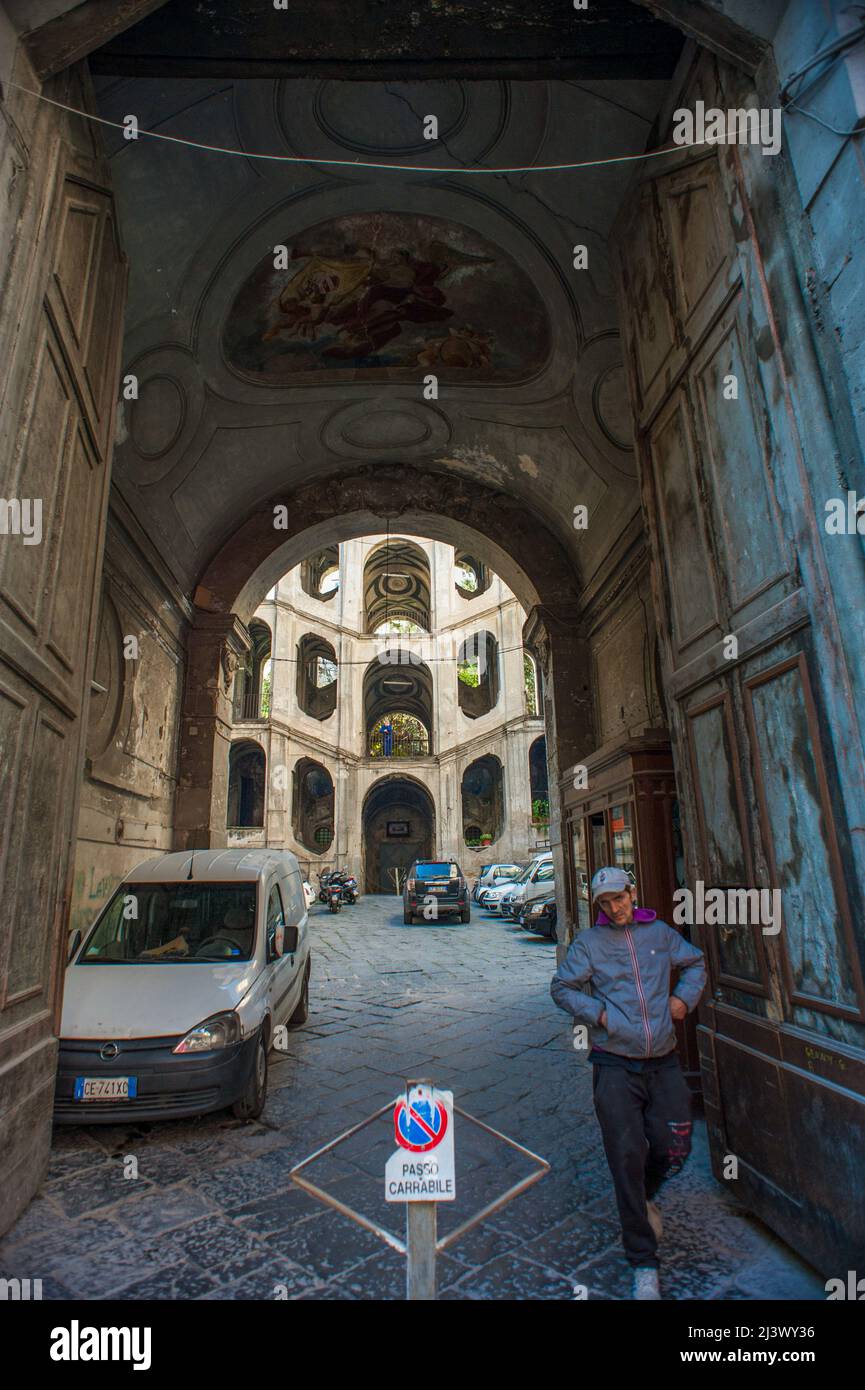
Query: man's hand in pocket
{"x": 602, "y": 1021}
{"x": 678, "y": 1007}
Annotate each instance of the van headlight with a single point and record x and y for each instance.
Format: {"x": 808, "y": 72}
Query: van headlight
{"x": 220, "y": 1031}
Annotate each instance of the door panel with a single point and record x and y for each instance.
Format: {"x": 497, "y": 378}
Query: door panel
{"x": 819, "y": 953}
{"x": 693, "y": 600}
{"x": 767, "y": 763}
{"x": 66, "y": 298}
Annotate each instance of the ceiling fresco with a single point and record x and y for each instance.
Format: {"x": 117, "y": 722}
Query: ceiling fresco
{"x": 384, "y": 296}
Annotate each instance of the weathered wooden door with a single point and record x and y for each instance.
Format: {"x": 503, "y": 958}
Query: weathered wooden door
{"x": 729, "y": 405}
{"x": 60, "y": 321}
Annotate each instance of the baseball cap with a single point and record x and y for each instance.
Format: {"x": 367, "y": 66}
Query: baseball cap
{"x": 610, "y": 880}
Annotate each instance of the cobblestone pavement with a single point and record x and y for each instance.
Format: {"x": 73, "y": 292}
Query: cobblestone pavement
{"x": 213, "y": 1214}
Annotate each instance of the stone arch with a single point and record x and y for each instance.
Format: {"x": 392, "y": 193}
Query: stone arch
{"x": 396, "y": 687}
{"x": 396, "y": 585}
{"x": 399, "y": 825}
{"x": 519, "y": 543}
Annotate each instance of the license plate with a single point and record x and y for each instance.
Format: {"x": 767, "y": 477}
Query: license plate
{"x": 106, "y": 1087}
{"x": 437, "y": 890}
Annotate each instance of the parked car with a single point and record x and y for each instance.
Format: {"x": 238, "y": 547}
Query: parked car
{"x": 493, "y": 876}
{"x": 441, "y": 880}
{"x": 309, "y": 893}
{"x": 171, "y": 1001}
{"x": 539, "y": 916}
{"x": 534, "y": 883}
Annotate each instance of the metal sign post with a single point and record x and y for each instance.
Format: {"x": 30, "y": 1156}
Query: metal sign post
{"x": 420, "y": 1239}
{"x": 421, "y": 1173}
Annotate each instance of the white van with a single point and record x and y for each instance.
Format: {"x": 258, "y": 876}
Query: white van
{"x": 171, "y": 1002}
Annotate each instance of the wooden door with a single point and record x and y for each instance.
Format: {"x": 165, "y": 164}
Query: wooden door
{"x": 61, "y": 315}
{"x": 765, "y": 738}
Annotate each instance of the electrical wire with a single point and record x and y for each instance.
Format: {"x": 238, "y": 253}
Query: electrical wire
{"x": 363, "y": 163}
{"x": 833, "y": 53}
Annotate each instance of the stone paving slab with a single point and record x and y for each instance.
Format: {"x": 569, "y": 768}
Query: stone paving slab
{"x": 213, "y": 1214}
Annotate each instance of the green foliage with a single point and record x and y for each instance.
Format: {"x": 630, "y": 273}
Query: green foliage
{"x": 530, "y": 684}
{"x": 540, "y": 811}
{"x": 466, "y": 578}
{"x": 265, "y": 698}
{"x": 467, "y": 672}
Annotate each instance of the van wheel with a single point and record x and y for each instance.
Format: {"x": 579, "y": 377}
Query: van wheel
{"x": 407, "y": 918}
{"x": 251, "y": 1103}
{"x": 466, "y": 915}
{"x": 301, "y": 1013}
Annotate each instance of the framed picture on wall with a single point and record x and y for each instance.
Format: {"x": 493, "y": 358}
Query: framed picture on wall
{"x": 398, "y": 827}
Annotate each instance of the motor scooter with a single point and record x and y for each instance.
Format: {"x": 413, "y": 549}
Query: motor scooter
{"x": 334, "y": 895}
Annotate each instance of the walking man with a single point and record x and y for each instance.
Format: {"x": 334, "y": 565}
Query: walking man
{"x": 641, "y": 1097}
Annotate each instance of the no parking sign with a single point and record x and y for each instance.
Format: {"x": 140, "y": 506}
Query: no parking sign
{"x": 422, "y": 1169}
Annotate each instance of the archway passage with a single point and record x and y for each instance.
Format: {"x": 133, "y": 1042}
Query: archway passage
{"x": 398, "y": 827}
{"x": 767, "y": 743}
{"x": 398, "y": 707}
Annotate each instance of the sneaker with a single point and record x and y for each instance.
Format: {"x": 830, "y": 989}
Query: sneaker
{"x": 646, "y": 1283}
{"x": 655, "y": 1221}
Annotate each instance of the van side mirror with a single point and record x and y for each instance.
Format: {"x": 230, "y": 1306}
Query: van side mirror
{"x": 290, "y": 941}
{"x": 74, "y": 943}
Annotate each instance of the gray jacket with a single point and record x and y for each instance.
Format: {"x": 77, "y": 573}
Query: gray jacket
{"x": 628, "y": 969}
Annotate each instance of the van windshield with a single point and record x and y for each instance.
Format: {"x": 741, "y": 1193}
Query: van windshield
{"x": 171, "y": 923}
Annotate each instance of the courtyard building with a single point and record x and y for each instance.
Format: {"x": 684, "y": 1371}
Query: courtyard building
{"x": 387, "y": 710}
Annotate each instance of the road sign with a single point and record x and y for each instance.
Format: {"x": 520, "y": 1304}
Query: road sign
{"x": 422, "y": 1169}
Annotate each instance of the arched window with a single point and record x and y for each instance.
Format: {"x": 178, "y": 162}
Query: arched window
{"x": 316, "y": 677}
{"x": 252, "y": 683}
{"x": 396, "y": 587}
{"x": 482, "y": 792}
{"x": 319, "y": 575}
{"x": 478, "y": 674}
{"x": 398, "y": 706}
{"x": 539, "y": 780}
{"x": 247, "y": 780}
{"x": 312, "y": 805}
{"x": 531, "y": 685}
{"x": 471, "y": 576}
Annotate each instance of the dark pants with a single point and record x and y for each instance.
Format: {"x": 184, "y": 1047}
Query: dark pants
{"x": 645, "y": 1119}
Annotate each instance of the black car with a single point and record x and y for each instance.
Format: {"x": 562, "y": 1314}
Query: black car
{"x": 539, "y": 915}
{"x": 434, "y": 887}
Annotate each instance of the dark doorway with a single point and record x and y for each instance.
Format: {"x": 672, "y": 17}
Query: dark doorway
{"x": 398, "y": 827}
